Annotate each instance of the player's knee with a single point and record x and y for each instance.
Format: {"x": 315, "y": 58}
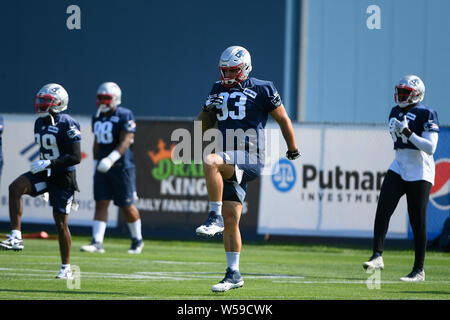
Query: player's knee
{"x": 15, "y": 189}
{"x": 230, "y": 221}
{"x": 212, "y": 161}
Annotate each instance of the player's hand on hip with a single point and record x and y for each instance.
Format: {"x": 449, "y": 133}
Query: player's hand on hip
{"x": 212, "y": 102}
{"x": 292, "y": 155}
{"x": 104, "y": 165}
{"x": 39, "y": 166}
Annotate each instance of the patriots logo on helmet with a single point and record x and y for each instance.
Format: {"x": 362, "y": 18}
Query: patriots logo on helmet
{"x": 440, "y": 192}
{"x": 240, "y": 53}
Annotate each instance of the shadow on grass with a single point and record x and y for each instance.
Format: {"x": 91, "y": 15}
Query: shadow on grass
{"x": 427, "y": 292}
{"x": 75, "y": 291}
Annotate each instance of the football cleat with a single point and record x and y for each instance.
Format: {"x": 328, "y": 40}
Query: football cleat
{"x": 416, "y": 275}
{"x": 232, "y": 280}
{"x": 93, "y": 247}
{"x": 374, "y": 263}
{"x": 212, "y": 226}
{"x": 136, "y": 246}
{"x": 65, "y": 274}
{"x": 12, "y": 244}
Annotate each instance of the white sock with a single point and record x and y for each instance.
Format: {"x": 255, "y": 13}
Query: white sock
{"x": 135, "y": 229}
{"x": 233, "y": 260}
{"x": 16, "y": 234}
{"x": 65, "y": 266}
{"x": 216, "y": 206}
{"x": 98, "y": 230}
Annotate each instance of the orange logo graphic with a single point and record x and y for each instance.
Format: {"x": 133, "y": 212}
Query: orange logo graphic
{"x": 162, "y": 153}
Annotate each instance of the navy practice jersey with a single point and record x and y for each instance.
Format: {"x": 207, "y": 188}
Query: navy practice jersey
{"x": 421, "y": 118}
{"x": 107, "y": 130}
{"x": 245, "y": 106}
{"x": 54, "y": 140}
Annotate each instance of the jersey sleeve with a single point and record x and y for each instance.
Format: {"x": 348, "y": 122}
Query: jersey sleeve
{"x": 127, "y": 122}
{"x": 73, "y": 133}
{"x": 214, "y": 90}
{"x": 271, "y": 97}
{"x": 432, "y": 125}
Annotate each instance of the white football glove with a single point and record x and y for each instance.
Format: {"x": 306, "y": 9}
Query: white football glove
{"x": 212, "y": 102}
{"x": 401, "y": 125}
{"x": 45, "y": 196}
{"x": 106, "y": 163}
{"x": 39, "y": 166}
{"x": 392, "y": 126}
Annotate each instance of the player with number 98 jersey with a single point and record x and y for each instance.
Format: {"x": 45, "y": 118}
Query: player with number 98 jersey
{"x": 114, "y": 128}
{"x": 107, "y": 129}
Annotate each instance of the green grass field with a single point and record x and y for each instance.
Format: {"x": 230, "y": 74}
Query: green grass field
{"x": 185, "y": 270}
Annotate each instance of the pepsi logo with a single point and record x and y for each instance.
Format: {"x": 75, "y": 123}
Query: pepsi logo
{"x": 440, "y": 192}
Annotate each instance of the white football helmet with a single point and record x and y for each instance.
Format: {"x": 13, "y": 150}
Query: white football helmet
{"x": 109, "y": 96}
{"x": 236, "y": 59}
{"x": 51, "y": 98}
{"x": 409, "y": 90}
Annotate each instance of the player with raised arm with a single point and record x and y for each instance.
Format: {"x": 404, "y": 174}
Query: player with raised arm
{"x": 414, "y": 128}
{"x": 114, "y": 128}
{"x": 237, "y": 103}
{"x": 58, "y": 136}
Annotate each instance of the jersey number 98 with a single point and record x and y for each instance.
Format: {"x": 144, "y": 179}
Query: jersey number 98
{"x": 103, "y": 132}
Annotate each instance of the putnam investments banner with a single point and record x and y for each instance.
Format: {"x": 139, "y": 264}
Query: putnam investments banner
{"x": 173, "y": 199}
{"x": 333, "y": 189}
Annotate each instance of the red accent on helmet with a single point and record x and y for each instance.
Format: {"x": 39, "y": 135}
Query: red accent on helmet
{"x": 44, "y": 103}
{"x": 238, "y": 76}
{"x": 104, "y": 98}
{"x": 405, "y": 93}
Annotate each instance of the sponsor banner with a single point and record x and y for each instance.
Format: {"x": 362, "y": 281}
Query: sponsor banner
{"x": 20, "y": 150}
{"x": 173, "y": 199}
{"x": 438, "y": 209}
{"x": 333, "y": 188}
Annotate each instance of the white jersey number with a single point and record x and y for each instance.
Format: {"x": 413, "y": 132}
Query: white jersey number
{"x": 103, "y": 132}
{"x": 240, "y": 104}
{"x": 48, "y": 142}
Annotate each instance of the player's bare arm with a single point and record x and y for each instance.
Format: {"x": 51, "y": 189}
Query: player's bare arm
{"x": 126, "y": 140}
{"x": 281, "y": 117}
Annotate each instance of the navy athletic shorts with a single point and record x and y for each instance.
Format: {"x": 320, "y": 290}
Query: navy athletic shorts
{"x": 118, "y": 184}
{"x": 60, "y": 198}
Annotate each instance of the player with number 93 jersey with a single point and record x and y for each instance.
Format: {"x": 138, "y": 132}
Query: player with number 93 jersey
{"x": 240, "y": 105}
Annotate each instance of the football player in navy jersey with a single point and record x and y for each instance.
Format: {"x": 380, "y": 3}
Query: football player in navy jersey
{"x": 114, "y": 127}
{"x": 238, "y": 103}
{"x": 58, "y": 136}
{"x": 414, "y": 128}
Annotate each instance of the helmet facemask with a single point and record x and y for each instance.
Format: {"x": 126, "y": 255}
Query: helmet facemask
{"x": 46, "y": 103}
{"x": 405, "y": 96}
{"x": 233, "y": 79}
{"x": 105, "y": 102}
